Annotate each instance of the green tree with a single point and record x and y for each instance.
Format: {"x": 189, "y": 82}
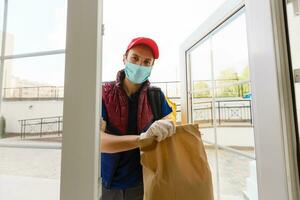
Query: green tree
{"x": 245, "y": 76}
{"x": 225, "y": 77}
{"x": 201, "y": 90}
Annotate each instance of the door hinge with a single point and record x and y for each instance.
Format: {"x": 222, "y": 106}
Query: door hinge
{"x": 102, "y": 29}
{"x": 297, "y": 75}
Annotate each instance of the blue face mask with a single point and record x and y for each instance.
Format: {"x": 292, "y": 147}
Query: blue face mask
{"x": 137, "y": 73}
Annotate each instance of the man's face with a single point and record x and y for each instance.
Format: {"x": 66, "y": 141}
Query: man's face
{"x": 140, "y": 55}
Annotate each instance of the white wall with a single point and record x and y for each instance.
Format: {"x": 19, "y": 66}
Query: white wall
{"x": 17, "y": 110}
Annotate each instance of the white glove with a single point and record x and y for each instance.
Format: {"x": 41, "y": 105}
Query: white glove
{"x": 160, "y": 129}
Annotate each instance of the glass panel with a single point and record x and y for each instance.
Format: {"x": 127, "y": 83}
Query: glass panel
{"x": 201, "y": 74}
{"x": 222, "y": 93}
{"x": 230, "y": 57}
{"x": 32, "y": 111}
{"x": 202, "y": 102}
{"x": 238, "y": 179}
{"x": 34, "y": 71}
{"x": 233, "y": 116}
{"x": 233, "y": 90}
{"x": 35, "y": 25}
{"x": 234, "y": 123}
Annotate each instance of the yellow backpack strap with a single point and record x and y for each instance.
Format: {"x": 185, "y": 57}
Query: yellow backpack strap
{"x": 173, "y": 106}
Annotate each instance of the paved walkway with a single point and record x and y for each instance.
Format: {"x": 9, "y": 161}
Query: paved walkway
{"x": 40, "y": 168}
{"x": 28, "y": 188}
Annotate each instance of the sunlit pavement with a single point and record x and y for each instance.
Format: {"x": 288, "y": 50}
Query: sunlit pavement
{"x": 28, "y": 188}
{"x": 37, "y": 170}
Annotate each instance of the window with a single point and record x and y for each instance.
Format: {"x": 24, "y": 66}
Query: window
{"x": 32, "y": 98}
{"x": 34, "y": 26}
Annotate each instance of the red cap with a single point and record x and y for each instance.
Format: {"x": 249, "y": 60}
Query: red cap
{"x": 146, "y": 41}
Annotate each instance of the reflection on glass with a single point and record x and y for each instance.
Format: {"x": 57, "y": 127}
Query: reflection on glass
{"x": 35, "y": 25}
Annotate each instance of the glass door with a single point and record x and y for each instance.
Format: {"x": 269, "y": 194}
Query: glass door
{"x": 220, "y": 101}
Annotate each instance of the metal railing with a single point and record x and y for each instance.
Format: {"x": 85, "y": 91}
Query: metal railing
{"x": 57, "y": 92}
{"x": 226, "y": 112}
{"x": 41, "y": 126}
{"x": 170, "y": 89}
{"x": 39, "y": 93}
{"x": 236, "y": 110}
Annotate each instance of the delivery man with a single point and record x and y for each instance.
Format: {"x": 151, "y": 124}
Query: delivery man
{"x": 127, "y": 117}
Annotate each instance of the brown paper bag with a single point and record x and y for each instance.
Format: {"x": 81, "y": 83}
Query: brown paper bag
{"x": 177, "y": 167}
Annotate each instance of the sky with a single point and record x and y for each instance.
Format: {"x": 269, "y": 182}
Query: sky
{"x": 41, "y": 26}
{"x": 168, "y": 22}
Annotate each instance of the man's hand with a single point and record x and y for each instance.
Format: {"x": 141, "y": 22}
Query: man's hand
{"x": 160, "y": 129}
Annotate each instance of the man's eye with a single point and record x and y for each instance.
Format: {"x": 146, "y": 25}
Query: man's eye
{"x": 134, "y": 58}
{"x": 147, "y": 63}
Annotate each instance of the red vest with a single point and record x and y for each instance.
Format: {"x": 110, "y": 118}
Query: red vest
{"x": 115, "y": 100}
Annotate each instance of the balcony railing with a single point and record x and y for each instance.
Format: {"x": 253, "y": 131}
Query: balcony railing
{"x": 41, "y": 126}
{"x": 35, "y": 93}
{"x": 170, "y": 89}
{"x": 227, "y": 112}
{"x": 230, "y": 108}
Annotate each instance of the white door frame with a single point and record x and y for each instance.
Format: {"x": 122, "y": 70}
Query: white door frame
{"x": 272, "y": 98}
{"x": 272, "y": 108}
{"x": 80, "y": 143}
